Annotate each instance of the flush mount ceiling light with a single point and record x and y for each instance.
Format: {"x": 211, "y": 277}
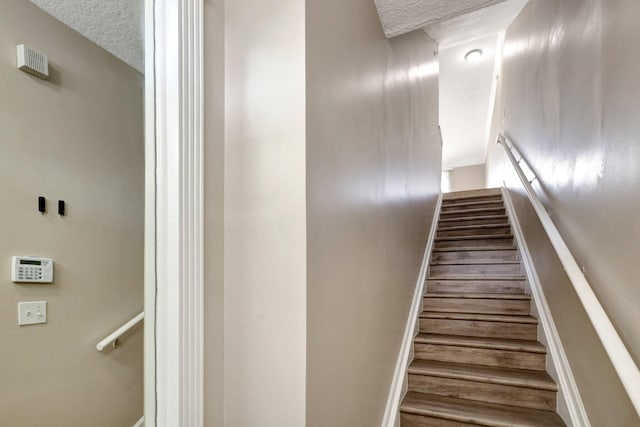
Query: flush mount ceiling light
{"x": 473, "y": 56}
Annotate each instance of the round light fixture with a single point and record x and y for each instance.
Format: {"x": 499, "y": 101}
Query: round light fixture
{"x": 473, "y": 56}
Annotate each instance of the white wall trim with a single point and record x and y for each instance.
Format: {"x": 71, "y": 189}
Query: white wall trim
{"x": 179, "y": 203}
{"x": 390, "y": 417}
{"x": 566, "y": 380}
{"x": 150, "y": 218}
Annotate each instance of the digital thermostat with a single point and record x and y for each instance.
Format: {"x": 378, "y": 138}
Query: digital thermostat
{"x": 29, "y": 269}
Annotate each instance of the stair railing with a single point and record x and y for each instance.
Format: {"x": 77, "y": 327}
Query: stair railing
{"x": 618, "y": 353}
{"x": 115, "y": 336}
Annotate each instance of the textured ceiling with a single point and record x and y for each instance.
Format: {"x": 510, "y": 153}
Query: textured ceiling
{"x": 477, "y": 24}
{"x": 115, "y": 25}
{"x": 402, "y": 16}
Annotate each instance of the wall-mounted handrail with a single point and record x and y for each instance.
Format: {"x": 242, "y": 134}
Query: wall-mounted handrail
{"x": 113, "y": 338}
{"x": 620, "y": 357}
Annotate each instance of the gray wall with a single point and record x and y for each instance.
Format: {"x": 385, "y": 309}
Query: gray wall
{"x": 467, "y": 178}
{"x": 214, "y": 212}
{"x": 359, "y": 138}
{"x": 264, "y": 214}
{"x": 77, "y": 137}
{"x": 569, "y": 97}
{"x": 373, "y": 175}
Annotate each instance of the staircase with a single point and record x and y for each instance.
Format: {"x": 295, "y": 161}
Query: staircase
{"x": 477, "y": 360}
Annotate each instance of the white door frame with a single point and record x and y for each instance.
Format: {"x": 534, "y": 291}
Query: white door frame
{"x": 174, "y": 322}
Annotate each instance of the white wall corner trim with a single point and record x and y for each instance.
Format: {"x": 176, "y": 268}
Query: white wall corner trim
{"x": 390, "y": 418}
{"x": 566, "y": 381}
{"x": 179, "y": 191}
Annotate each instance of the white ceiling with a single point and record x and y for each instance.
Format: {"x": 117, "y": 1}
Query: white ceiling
{"x": 403, "y": 16}
{"x": 465, "y": 92}
{"x": 474, "y": 25}
{"x": 115, "y": 25}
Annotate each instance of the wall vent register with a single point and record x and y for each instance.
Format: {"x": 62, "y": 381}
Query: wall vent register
{"x": 29, "y": 269}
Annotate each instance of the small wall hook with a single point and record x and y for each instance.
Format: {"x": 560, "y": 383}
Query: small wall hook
{"x": 42, "y": 205}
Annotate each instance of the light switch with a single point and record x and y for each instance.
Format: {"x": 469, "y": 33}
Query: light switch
{"x": 32, "y": 313}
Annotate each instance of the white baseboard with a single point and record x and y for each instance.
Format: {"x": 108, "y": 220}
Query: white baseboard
{"x": 568, "y": 390}
{"x": 390, "y": 417}
{"x": 140, "y": 423}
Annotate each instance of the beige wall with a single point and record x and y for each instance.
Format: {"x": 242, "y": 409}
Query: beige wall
{"x": 467, "y": 178}
{"x": 373, "y": 174}
{"x": 568, "y": 95}
{"x": 77, "y": 137}
{"x": 264, "y": 214}
{"x": 214, "y": 212}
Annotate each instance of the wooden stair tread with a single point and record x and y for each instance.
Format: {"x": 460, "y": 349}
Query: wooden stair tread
{"x": 474, "y": 227}
{"x": 485, "y": 374}
{"x": 507, "y": 344}
{"x": 477, "y": 210}
{"x": 476, "y": 248}
{"x": 480, "y": 317}
{"x": 470, "y": 194}
{"x": 473, "y": 218}
{"x": 492, "y": 201}
{"x": 479, "y": 413}
{"x": 478, "y": 296}
{"x": 476, "y": 261}
{"x": 478, "y": 277}
{"x": 476, "y": 237}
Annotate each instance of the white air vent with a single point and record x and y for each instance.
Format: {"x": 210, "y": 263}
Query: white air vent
{"x": 32, "y": 62}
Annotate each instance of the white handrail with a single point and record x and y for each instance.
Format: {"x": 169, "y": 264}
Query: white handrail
{"x": 620, "y": 357}
{"x": 119, "y": 332}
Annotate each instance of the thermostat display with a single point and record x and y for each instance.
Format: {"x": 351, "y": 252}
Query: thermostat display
{"x": 29, "y": 269}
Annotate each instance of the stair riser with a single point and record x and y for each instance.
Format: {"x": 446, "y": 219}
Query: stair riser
{"x": 447, "y": 207}
{"x": 480, "y": 356}
{"x": 476, "y": 269}
{"x": 474, "y": 328}
{"x": 477, "y": 305}
{"x": 412, "y": 420}
{"x": 496, "y": 198}
{"x": 478, "y": 221}
{"x": 476, "y": 287}
{"x": 485, "y": 392}
{"x": 471, "y": 256}
{"x": 475, "y": 231}
{"x": 466, "y": 213}
{"x": 474, "y": 243}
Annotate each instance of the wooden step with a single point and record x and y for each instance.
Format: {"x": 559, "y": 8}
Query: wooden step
{"x": 475, "y": 256}
{"x": 479, "y": 325}
{"x": 466, "y": 213}
{"x": 519, "y": 387}
{"x": 474, "y": 230}
{"x": 514, "y": 286}
{"x": 470, "y": 194}
{"x": 503, "y": 268}
{"x": 478, "y": 303}
{"x": 500, "y": 352}
{"x": 460, "y": 412}
{"x": 484, "y": 240}
{"x": 473, "y": 220}
{"x": 493, "y": 247}
{"x": 475, "y": 204}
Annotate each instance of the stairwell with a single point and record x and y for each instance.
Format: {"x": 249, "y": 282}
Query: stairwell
{"x": 477, "y": 360}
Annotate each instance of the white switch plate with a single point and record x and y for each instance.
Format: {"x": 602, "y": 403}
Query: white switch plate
{"x": 32, "y": 313}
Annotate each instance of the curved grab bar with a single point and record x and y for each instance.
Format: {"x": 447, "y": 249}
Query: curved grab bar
{"x": 113, "y": 338}
{"x": 620, "y": 357}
